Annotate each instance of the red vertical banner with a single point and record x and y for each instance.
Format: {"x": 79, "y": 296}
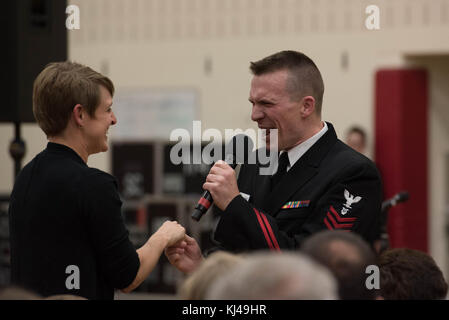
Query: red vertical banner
{"x": 401, "y": 148}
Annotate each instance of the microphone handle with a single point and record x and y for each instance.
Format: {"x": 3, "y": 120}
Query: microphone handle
{"x": 202, "y": 206}
{"x": 392, "y": 202}
{"x": 386, "y": 205}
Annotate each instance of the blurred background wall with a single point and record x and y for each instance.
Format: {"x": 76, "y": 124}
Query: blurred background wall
{"x": 206, "y": 46}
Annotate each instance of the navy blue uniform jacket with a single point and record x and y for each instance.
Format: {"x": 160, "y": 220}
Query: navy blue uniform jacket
{"x": 330, "y": 187}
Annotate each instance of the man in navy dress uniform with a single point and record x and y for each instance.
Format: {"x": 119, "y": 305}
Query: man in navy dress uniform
{"x": 320, "y": 183}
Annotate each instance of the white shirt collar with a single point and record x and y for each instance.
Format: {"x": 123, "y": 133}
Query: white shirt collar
{"x": 295, "y": 153}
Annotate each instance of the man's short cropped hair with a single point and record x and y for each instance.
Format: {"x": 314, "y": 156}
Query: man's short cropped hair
{"x": 59, "y": 88}
{"x": 304, "y": 77}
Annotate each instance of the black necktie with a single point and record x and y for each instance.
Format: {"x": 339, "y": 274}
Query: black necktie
{"x": 282, "y": 169}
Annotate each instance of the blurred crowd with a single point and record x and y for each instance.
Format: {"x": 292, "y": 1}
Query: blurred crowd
{"x": 330, "y": 265}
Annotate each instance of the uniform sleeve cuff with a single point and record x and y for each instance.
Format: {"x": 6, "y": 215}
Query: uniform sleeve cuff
{"x": 235, "y": 203}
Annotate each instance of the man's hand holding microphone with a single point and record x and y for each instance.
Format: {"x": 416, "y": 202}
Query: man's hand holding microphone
{"x": 221, "y": 188}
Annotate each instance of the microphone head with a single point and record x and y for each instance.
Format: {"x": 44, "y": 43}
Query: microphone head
{"x": 403, "y": 196}
{"x": 239, "y": 149}
{"x": 197, "y": 214}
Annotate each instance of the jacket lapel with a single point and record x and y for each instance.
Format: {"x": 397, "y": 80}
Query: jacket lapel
{"x": 301, "y": 172}
{"x": 262, "y": 183}
{"x": 262, "y": 187}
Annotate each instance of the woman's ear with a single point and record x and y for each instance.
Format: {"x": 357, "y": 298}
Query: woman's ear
{"x": 78, "y": 115}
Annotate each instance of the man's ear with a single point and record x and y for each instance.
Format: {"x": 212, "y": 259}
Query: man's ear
{"x": 307, "y": 106}
{"x": 79, "y": 115}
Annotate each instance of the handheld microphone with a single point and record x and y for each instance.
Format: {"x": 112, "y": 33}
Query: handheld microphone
{"x": 400, "y": 197}
{"x": 236, "y": 152}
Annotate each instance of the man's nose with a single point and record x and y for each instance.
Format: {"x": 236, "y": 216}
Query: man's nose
{"x": 257, "y": 113}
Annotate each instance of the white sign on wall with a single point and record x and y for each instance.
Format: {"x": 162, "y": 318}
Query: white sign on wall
{"x": 148, "y": 113}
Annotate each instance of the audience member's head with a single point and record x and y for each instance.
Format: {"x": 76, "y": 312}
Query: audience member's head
{"x": 215, "y": 266}
{"x": 64, "y": 297}
{"x": 356, "y": 139}
{"x": 407, "y": 274}
{"x": 18, "y": 293}
{"x": 275, "y": 276}
{"x": 346, "y": 255}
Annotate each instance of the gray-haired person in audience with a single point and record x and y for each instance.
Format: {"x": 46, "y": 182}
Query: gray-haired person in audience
{"x": 212, "y": 268}
{"x": 275, "y": 276}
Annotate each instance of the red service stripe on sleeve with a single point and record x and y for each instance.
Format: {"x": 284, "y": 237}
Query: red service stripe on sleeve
{"x": 338, "y": 225}
{"x": 270, "y": 231}
{"x": 327, "y": 224}
{"x": 263, "y": 229}
{"x": 341, "y": 219}
{"x": 204, "y": 202}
